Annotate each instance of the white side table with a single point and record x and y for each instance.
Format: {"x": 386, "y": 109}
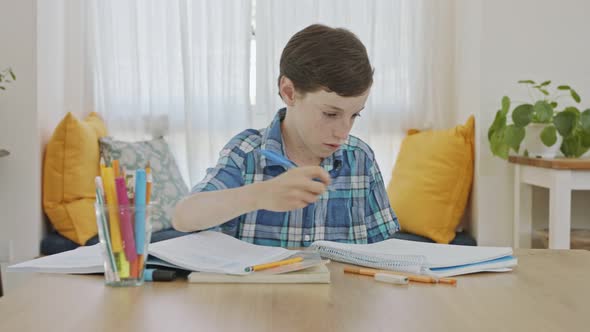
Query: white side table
{"x": 560, "y": 176}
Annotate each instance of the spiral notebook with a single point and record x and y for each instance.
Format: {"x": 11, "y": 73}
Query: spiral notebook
{"x": 439, "y": 260}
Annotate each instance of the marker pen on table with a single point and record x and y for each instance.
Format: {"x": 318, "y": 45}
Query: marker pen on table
{"x": 159, "y": 275}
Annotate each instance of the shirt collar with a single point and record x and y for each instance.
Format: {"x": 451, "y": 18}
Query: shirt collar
{"x": 272, "y": 140}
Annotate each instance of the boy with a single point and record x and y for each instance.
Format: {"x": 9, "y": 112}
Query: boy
{"x": 303, "y": 178}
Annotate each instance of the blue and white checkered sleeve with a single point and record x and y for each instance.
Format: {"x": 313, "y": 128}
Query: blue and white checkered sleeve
{"x": 380, "y": 218}
{"x": 226, "y": 174}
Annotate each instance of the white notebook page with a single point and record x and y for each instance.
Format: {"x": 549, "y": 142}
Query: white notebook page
{"x": 79, "y": 260}
{"x": 215, "y": 252}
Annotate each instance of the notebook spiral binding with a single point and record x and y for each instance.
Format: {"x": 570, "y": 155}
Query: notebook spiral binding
{"x": 402, "y": 263}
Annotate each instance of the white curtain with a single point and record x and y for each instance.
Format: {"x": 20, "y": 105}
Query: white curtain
{"x": 181, "y": 68}
{"x": 177, "y": 68}
{"x": 409, "y": 42}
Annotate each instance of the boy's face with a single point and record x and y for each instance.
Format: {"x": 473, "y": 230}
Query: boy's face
{"x": 323, "y": 119}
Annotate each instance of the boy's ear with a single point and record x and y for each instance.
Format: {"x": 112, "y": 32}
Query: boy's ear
{"x": 287, "y": 91}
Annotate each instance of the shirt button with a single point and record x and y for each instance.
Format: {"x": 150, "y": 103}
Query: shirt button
{"x": 306, "y": 238}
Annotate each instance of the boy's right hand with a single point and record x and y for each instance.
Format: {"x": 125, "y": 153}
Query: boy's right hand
{"x": 294, "y": 189}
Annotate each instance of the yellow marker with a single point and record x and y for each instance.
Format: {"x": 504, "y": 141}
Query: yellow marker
{"x": 122, "y": 265}
{"x": 109, "y": 188}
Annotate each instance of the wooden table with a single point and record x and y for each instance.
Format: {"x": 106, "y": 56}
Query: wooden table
{"x": 561, "y": 177}
{"x": 549, "y": 291}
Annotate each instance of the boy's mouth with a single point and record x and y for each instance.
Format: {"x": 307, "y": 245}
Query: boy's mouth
{"x": 332, "y": 146}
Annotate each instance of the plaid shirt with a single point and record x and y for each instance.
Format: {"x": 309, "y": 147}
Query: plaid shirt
{"x": 354, "y": 209}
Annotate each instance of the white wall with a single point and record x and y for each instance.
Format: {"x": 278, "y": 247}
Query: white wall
{"x": 60, "y": 41}
{"x": 498, "y": 43}
{"x": 45, "y": 90}
{"x": 20, "y": 173}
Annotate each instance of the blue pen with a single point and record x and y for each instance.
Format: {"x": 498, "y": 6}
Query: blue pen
{"x": 277, "y": 158}
{"x": 140, "y": 192}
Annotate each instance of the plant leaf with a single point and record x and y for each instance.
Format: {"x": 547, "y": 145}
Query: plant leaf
{"x": 545, "y": 83}
{"x": 544, "y": 111}
{"x": 585, "y": 138}
{"x": 549, "y": 136}
{"x": 575, "y": 95}
{"x": 526, "y": 82}
{"x": 545, "y": 92}
{"x": 572, "y": 146}
{"x": 568, "y": 147}
{"x": 513, "y": 136}
{"x": 526, "y": 152}
{"x": 565, "y": 122}
{"x": 497, "y": 144}
{"x": 505, "y": 105}
{"x": 553, "y": 104}
{"x": 12, "y": 75}
{"x": 585, "y": 120}
{"x": 563, "y": 87}
{"x": 499, "y": 123}
{"x": 522, "y": 115}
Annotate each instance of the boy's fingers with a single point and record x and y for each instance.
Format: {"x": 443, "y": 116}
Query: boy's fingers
{"x": 314, "y": 187}
{"x": 308, "y": 197}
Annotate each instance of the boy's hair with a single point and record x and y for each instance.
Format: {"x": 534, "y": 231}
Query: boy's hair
{"x": 321, "y": 57}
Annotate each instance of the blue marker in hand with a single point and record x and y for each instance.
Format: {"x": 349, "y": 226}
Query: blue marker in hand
{"x": 277, "y": 158}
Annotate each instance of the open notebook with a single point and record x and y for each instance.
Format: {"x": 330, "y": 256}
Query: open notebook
{"x": 210, "y": 252}
{"x": 439, "y": 260}
{"x": 214, "y": 252}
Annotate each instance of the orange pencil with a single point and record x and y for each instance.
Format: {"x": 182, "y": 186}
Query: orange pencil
{"x": 148, "y": 185}
{"x": 411, "y": 277}
{"x": 134, "y": 268}
{"x": 116, "y": 168}
{"x": 274, "y": 264}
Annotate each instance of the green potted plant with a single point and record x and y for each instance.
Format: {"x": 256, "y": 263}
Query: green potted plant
{"x": 539, "y": 126}
{"x": 6, "y": 76}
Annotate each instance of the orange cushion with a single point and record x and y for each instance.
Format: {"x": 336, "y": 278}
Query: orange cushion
{"x": 431, "y": 181}
{"x": 71, "y": 163}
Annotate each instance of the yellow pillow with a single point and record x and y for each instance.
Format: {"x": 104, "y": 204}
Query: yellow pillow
{"x": 431, "y": 181}
{"x": 70, "y": 166}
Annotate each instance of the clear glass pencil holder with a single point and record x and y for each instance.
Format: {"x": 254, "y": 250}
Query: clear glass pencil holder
{"x": 124, "y": 233}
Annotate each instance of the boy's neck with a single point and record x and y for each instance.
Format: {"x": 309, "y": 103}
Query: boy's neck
{"x": 294, "y": 147}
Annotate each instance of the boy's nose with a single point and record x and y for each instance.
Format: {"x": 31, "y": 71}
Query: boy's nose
{"x": 341, "y": 131}
{"x": 341, "y": 134}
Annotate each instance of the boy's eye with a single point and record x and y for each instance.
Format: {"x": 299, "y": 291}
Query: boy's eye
{"x": 356, "y": 115}
{"x": 330, "y": 115}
